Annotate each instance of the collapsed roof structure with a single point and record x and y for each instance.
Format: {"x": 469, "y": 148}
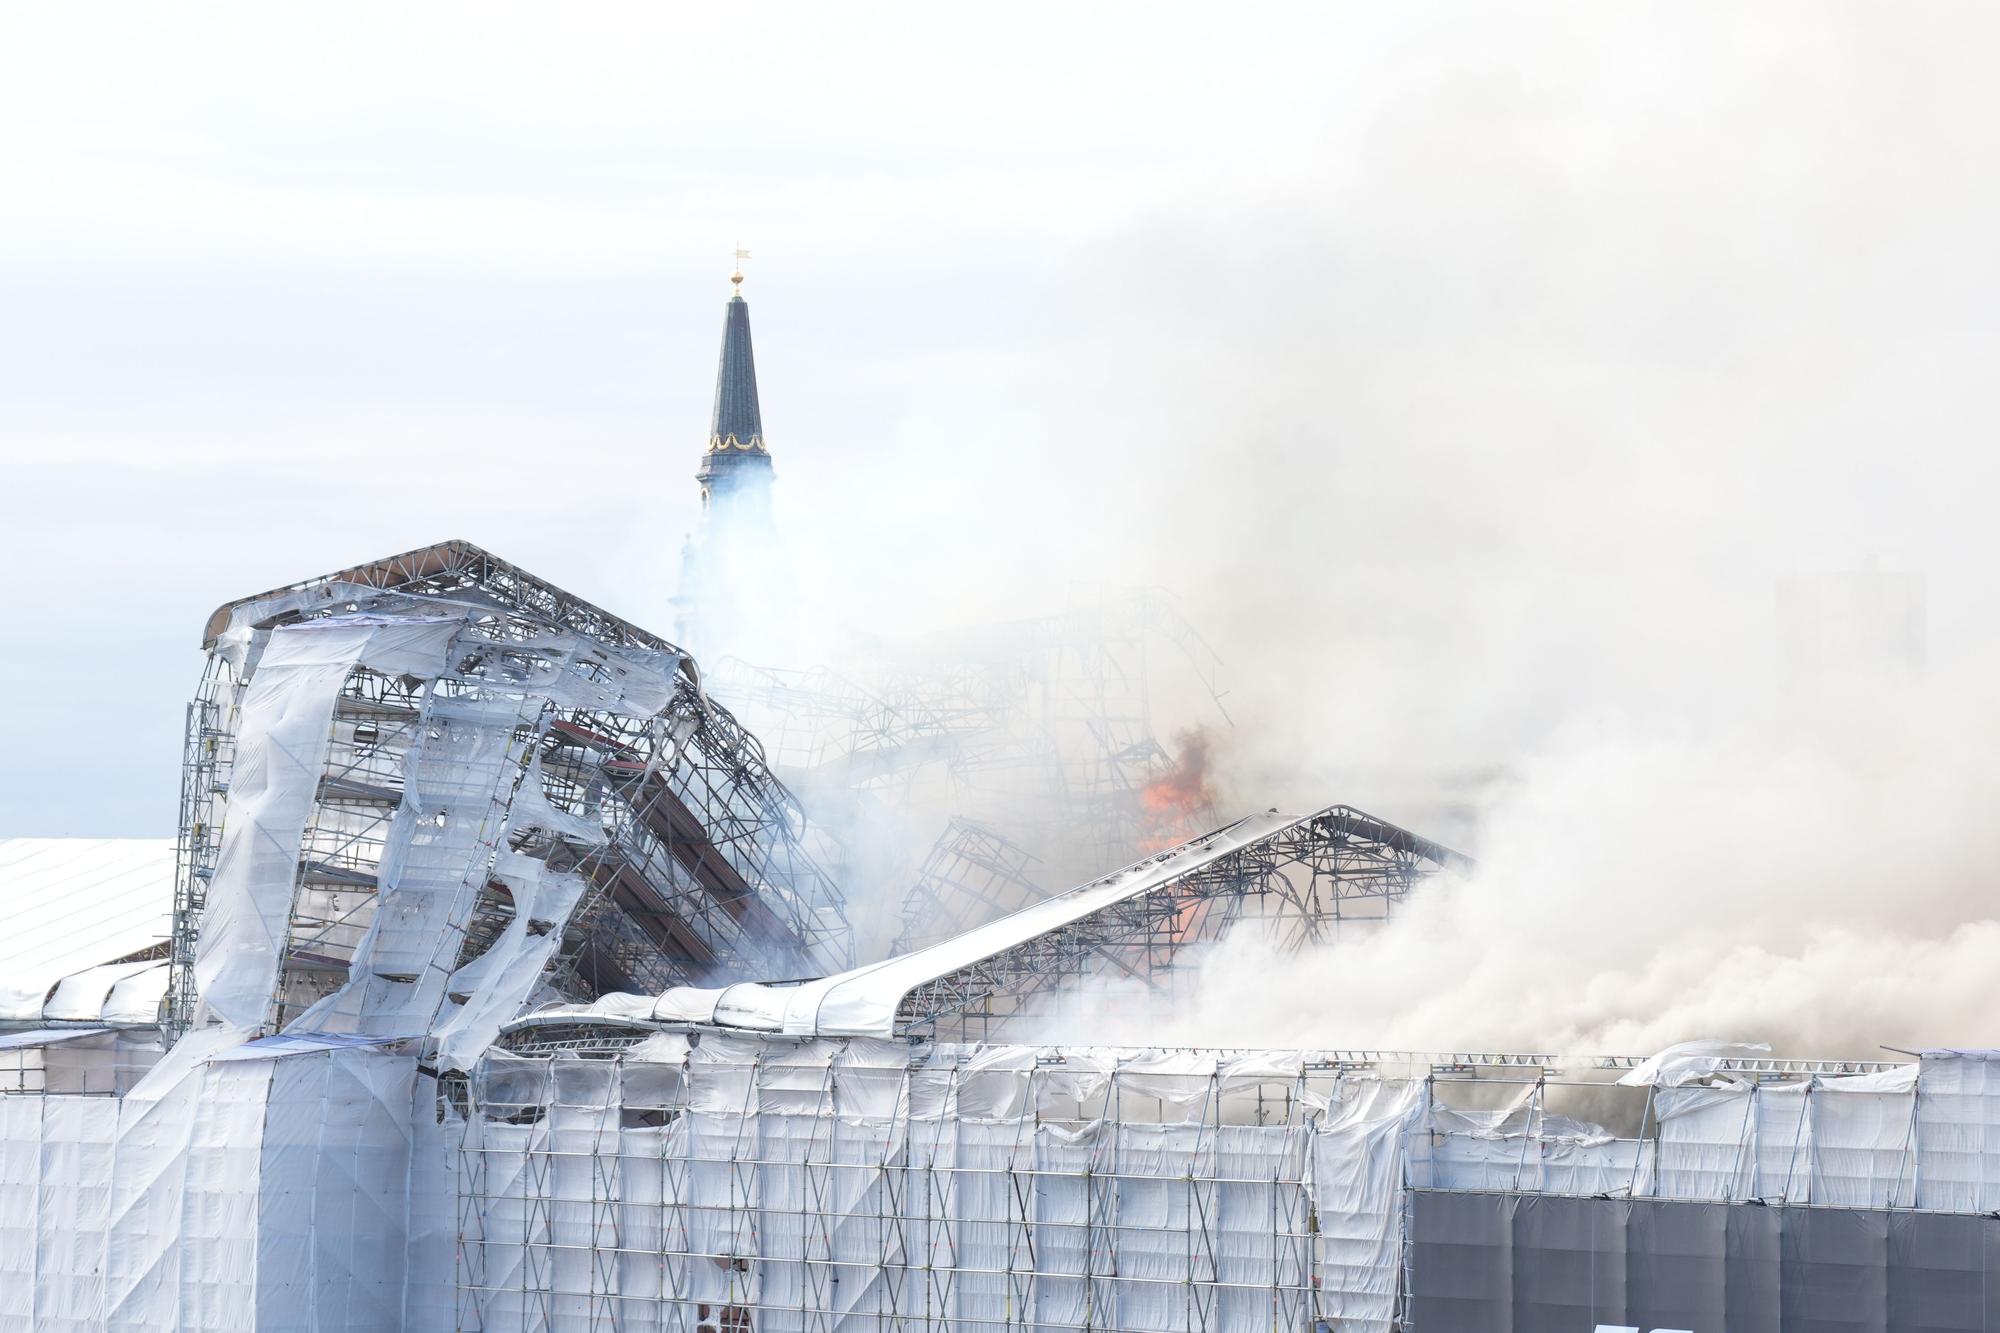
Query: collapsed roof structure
{"x": 421, "y": 792}
{"x": 1297, "y": 879}
{"x": 1039, "y": 730}
{"x": 509, "y": 994}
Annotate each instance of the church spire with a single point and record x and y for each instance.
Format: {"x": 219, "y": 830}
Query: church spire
{"x": 736, "y": 461}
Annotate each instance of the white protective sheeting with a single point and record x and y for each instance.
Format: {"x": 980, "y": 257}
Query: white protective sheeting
{"x": 1690, "y": 1062}
{"x": 135, "y": 1000}
{"x": 1843, "y": 1141}
{"x": 1522, "y": 1147}
{"x": 1355, "y": 1178}
{"x": 46, "y": 1036}
{"x": 497, "y": 982}
{"x": 282, "y": 738}
{"x": 94, "y": 1060}
{"x": 466, "y": 791}
{"x": 457, "y": 785}
{"x": 863, "y": 1002}
{"x": 1708, "y": 1142}
{"x": 76, "y": 903}
{"x": 751, "y": 1182}
{"x": 1864, "y": 1139}
{"x": 332, "y": 1201}
{"x": 789, "y": 1186}
{"x": 1958, "y": 1126}
{"x": 224, "y": 1195}
{"x": 470, "y": 780}
{"x": 84, "y": 997}
{"x": 437, "y": 1135}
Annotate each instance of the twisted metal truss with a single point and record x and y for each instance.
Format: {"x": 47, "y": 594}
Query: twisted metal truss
{"x": 971, "y": 876}
{"x": 1040, "y": 730}
{"x": 706, "y": 872}
{"x": 830, "y": 730}
{"x": 1302, "y": 883}
{"x": 694, "y": 854}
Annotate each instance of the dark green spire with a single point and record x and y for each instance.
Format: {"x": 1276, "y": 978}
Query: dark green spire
{"x": 736, "y": 453}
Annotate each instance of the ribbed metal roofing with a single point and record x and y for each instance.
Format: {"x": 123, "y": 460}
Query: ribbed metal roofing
{"x": 74, "y": 905}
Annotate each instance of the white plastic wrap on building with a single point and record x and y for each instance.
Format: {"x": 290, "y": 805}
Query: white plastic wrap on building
{"x": 1524, "y": 1147}
{"x": 732, "y": 1183}
{"x": 262, "y": 1187}
{"x": 742, "y": 1185}
{"x": 283, "y": 733}
{"x": 1850, "y": 1141}
{"x": 470, "y": 780}
{"x": 863, "y": 1001}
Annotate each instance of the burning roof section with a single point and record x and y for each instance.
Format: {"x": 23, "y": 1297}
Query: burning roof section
{"x": 1298, "y": 878}
{"x": 425, "y": 792}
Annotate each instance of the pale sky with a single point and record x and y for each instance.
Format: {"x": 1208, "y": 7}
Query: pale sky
{"x": 1468, "y": 370}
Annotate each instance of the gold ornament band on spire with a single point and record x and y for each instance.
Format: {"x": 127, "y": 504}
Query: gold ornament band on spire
{"x": 720, "y": 444}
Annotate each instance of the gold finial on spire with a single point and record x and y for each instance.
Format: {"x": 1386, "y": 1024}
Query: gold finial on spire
{"x": 736, "y": 278}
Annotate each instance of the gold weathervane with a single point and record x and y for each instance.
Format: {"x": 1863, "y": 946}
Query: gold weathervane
{"x": 736, "y": 278}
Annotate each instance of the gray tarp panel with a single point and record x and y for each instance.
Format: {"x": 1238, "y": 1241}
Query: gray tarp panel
{"x": 1678, "y": 1260}
{"x": 1525, "y": 1263}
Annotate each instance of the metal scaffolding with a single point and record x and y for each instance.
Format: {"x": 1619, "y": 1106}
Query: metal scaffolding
{"x": 972, "y": 876}
{"x": 1302, "y": 883}
{"x": 785, "y": 1189}
{"x": 689, "y": 858}
{"x": 1041, "y": 731}
{"x": 707, "y": 1180}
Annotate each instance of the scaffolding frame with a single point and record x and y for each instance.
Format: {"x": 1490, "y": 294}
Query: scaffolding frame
{"x": 1041, "y": 730}
{"x": 596, "y": 1187}
{"x": 972, "y": 875}
{"x": 578, "y": 1202}
{"x": 702, "y": 872}
{"x": 1303, "y": 883}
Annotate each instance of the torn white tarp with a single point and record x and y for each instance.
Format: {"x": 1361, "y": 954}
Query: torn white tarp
{"x": 1690, "y": 1062}
{"x": 1848, "y": 1141}
{"x": 472, "y": 788}
{"x": 488, "y": 991}
{"x": 1354, "y": 1173}
{"x": 1522, "y": 1146}
{"x": 282, "y": 739}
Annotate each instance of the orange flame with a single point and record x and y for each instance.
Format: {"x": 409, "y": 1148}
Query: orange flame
{"x": 1180, "y": 803}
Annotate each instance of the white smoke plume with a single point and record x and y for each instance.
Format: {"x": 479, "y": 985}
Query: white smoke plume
{"x": 1829, "y": 894}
